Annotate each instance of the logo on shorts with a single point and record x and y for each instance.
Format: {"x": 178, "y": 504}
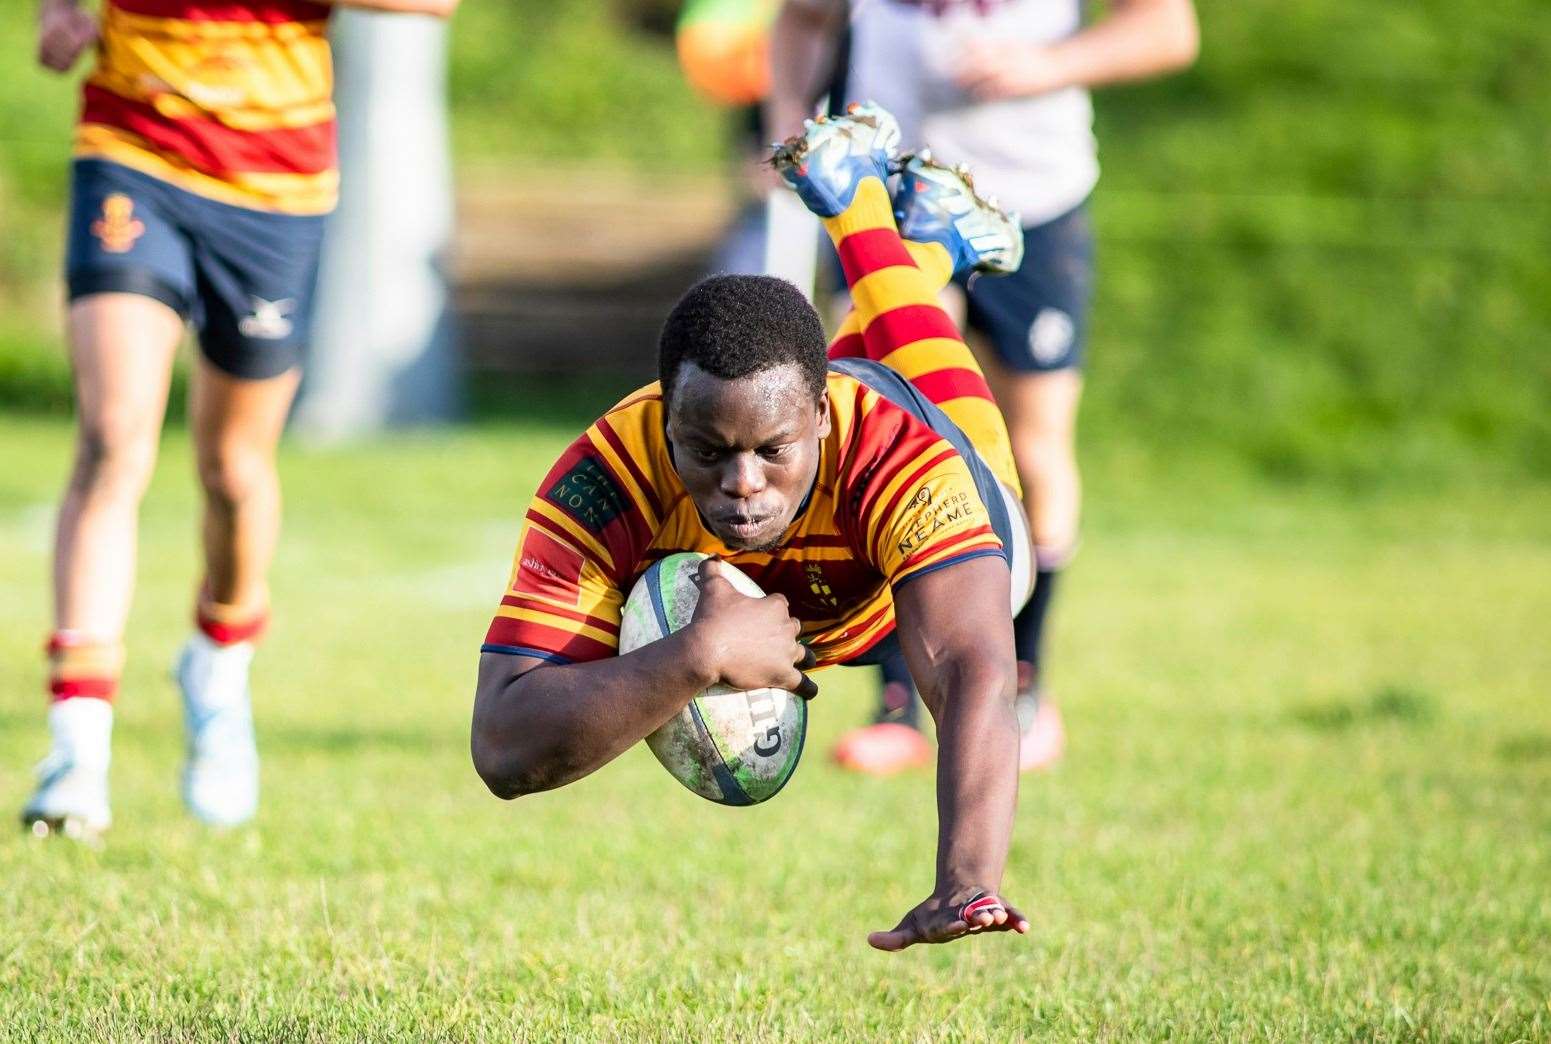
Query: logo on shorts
{"x": 268, "y": 321}
{"x": 1051, "y": 336}
{"x": 118, "y": 228}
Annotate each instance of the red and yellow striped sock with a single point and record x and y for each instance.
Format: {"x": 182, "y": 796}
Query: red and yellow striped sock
{"x": 930, "y": 258}
{"x": 83, "y": 666}
{"x": 899, "y": 322}
{"x": 226, "y": 624}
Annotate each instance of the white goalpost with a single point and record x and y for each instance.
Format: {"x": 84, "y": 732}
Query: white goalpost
{"x": 383, "y": 351}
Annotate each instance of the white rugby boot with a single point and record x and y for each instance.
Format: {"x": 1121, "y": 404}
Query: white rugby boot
{"x": 832, "y": 155}
{"x": 71, "y": 799}
{"x": 940, "y": 204}
{"x": 221, "y": 775}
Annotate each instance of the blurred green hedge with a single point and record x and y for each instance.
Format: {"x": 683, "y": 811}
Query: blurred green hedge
{"x": 1325, "y": 251}
{"x": 1327, "y": 246}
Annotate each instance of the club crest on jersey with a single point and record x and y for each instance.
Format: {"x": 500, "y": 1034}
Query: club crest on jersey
{"x": 819, "y": 585}
{"x": 268, "y": 320}
{"x": 118, "y": 228}
{"x": 587, "y": 493}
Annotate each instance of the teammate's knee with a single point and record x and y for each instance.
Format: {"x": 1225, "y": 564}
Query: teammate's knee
{"x": 1042, "y": 448}
{"x": 113, "y": 460}
{"x": 230, "y": 477}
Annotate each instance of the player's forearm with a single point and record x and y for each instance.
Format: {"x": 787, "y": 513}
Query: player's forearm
{"x": 65, "y": 31}
{"x": 553, "y": 725}
{"x": 802, "y": 46}
{"x": 1137, "y": 40}
{"x": 436, "y": 8}
{"x": 977, "y": 774}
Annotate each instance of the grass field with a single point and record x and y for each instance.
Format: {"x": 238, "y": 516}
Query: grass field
{"x": 1306, "y": 796}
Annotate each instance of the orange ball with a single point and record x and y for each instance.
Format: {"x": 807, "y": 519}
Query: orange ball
{"x": 724, "y": 49}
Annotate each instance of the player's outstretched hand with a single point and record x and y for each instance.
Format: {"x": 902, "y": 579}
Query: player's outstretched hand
{"x": 941, "y": 919}
{"x": 64, "y": 31}
{"x": 750, "y": 643}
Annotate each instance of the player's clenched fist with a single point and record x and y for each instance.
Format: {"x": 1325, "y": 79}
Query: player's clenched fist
{"x": 64, "y": 31}
{"x": 748, "y": 643}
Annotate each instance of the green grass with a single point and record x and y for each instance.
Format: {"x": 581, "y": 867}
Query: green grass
{"x": 1305, "y": 797}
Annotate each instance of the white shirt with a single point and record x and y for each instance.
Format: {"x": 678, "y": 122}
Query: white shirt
{"x": 1037, "y": 155}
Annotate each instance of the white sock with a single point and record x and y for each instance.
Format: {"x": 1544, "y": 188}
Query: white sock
{"x": 82, "y": 727}
{"x": 216, "y": 675}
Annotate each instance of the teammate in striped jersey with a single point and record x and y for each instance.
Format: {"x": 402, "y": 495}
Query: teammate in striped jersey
{"x": 869, "y": 489}
{"x": 204, "y": 167}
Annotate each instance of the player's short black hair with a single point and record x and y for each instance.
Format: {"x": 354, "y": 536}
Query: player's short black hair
{"x": 732, "y": 326}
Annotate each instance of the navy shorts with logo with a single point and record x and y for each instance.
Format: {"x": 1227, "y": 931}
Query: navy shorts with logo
{"x": 244, "y": 277}
{"x": 1036, "y": 318}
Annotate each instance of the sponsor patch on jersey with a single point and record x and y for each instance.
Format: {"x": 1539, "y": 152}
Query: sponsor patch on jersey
{"x": 547, "y": 567}
{"x": 587, "y": 493}
{"x": 931, "y": 514}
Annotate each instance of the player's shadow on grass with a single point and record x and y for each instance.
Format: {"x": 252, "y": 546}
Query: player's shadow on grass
{"x": 1390, "y": 703}
{"x": 15, "y": 722}
{"x": 1525, "y": 748}
{"x": 354, "y": 740}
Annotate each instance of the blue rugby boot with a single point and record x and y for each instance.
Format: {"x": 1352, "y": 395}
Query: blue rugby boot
{"x": 833, "y": 155}
{"x": 938, "y": 204}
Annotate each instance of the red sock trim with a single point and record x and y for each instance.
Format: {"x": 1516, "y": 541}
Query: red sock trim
{"x": 82, "y": 664}
{"x": 93, "y": 688}
{"x": 227, "y": 632}
{"x": 59, "y": 641}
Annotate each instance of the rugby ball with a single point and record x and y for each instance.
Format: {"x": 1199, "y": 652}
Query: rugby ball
{"x": 731, "y": 746}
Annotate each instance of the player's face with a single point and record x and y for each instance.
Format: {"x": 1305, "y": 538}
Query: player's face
{"x": 747, "y": 450}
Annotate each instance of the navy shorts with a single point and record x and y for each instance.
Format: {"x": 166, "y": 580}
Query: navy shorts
{"x": 1036, "y": 319}
{"x": 245, "y": 278}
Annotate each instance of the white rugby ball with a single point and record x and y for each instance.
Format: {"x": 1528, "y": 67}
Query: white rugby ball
{"x": 732, "y": 746}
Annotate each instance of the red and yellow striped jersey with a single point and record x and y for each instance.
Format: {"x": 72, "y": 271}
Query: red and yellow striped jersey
{"x": 892, "y": 499}
{"x": 230, "y": 99}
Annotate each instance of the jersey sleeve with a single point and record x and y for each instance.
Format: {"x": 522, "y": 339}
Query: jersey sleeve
{"x": 579, "y": 542}
{"x": 927, "y": 515}
{"x": 560, "y": 604}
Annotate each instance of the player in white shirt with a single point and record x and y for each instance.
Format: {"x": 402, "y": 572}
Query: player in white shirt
{"x": 1001, "y": 85}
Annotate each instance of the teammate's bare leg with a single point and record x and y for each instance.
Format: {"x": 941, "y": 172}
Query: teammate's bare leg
{"x": 1041, "y": 411}
{"x": 121, "y": 351}
{"x": 237, "y": 425}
